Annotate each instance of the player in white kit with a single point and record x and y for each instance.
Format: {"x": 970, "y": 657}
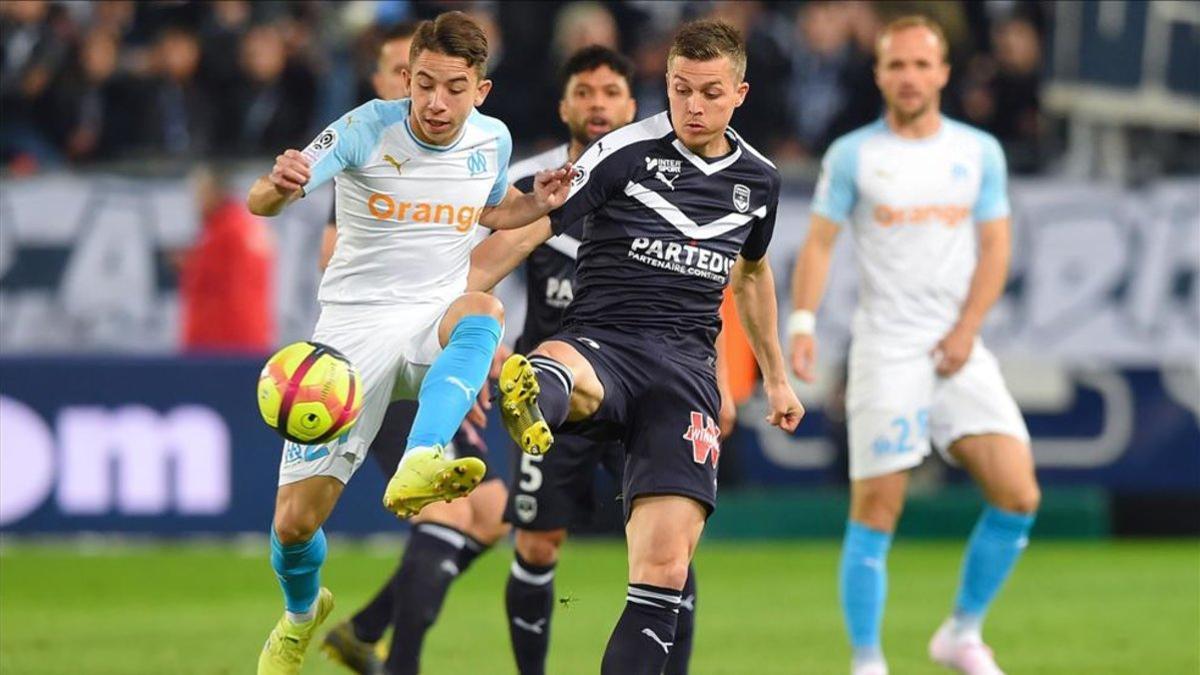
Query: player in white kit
{"x": 414, "y": 178}
{"x": 924, "y": 198}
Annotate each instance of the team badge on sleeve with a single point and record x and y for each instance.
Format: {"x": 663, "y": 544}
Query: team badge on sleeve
{"x": 321, "y": 145}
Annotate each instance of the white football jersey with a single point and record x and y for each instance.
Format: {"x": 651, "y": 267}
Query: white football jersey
{"x": 913, "y": 206}
{"x": 407, "y": 211}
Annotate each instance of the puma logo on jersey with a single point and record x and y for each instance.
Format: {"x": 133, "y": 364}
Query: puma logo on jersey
{"x": 669, "y": 183}
{"x": 392, "y": 160}
{"x": 666, "y": 646}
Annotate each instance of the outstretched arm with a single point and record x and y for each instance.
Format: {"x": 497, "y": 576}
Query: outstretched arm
{"x": 754, "y": 291}
{"x": 500, "y": 254}
{"x": 518, "y": 209}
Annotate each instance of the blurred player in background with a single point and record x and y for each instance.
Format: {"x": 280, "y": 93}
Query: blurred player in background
{"x": 926, "y": 201}
{"x": 636, "y": 355}
{"x": 447, "y": 537}
{"x": 394, "y": 299}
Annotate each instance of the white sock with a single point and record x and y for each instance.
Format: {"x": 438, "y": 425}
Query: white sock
{"x": 966, "y": 626}
{"x": 302, "y": 617}
{"x": 414, "y": 452}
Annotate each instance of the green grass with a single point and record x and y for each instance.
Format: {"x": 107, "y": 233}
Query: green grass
{"x": 1129, "y": 607}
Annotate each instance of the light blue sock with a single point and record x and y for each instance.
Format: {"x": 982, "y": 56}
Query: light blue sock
{"x": 995, "y": 544}
{"x": 298, "y": 568}
{"x": 863, "y": 585}
{"x": 453, "y": 381}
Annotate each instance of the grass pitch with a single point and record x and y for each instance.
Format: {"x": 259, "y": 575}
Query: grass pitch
{"x": 764, "y": 608}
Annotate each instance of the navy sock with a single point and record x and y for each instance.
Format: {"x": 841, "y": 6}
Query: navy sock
{"x": 471, "y": 550}
{"x": 529, "y": 600}
{"x": 556, "y": 382}
{"x": 645, "y": 633}
{"x": 685, "y": 628}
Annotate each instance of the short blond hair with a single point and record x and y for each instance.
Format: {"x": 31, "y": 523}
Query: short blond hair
{"x": 914, "y": 21}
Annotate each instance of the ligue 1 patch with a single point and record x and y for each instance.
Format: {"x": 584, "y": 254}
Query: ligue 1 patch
{"x": 580, "y": 176}
{"x": 526, "y": 507}
{"x": 741, "y": 198}
{"x": 321, "y": 145}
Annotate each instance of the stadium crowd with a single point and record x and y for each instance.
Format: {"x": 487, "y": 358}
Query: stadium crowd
{"x": 84, "y": 82}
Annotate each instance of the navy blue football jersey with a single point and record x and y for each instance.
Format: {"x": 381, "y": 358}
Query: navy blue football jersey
{"x": 661, "y": 229}
{"x": 550, "y": 269}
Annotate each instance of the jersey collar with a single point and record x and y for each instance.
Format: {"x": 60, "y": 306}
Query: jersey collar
{"x": 433, "y": 148}
{"x": 706, "y": 167}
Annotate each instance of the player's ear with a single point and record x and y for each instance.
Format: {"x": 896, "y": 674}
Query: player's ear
{"x": 562, "y": 110}
{"x": 406, "y": 76}
{"x": 481, "y": 92}
{"x": 632, "y": 110}
{"x": 741, "y": 90}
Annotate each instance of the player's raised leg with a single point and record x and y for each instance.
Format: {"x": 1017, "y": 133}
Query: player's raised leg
{"x": 297, "y": 553}
{"x": 468, "y": 333}
{"x": 662, "y": 533}
{"x": 1003, "y": 467}
{"x": 875, "y": 505}
{"x": 540, "y": 392}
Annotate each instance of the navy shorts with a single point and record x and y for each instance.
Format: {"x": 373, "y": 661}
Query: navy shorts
{"x": 388, "y": 446}
{"x": 664, "y": 405}
{"x": 557, "y": 490}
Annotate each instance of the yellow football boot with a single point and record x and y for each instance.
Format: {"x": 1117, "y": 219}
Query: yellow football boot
{"x": 427, "y": 475}
{"x": 519, "y": 409}
{"x": 284, "y": 652}
{"x": 343, "y": 646}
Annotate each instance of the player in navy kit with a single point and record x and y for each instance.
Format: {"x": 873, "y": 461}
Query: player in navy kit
{"x": 673, "y": 208}
{"x": 550, "y": 492}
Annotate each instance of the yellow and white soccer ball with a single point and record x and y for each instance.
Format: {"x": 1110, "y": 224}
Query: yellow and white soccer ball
{"x": 309, "y": 393}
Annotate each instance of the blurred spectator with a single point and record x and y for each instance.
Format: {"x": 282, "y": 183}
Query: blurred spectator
{"x": 220, "y": 35}
{"x": 179, "y": 111}
{"x": 583, "y": 24}
{"x": 862, "y": 103}
{"x": 226, "y": 279}
{"x": 823, "y": 51}
{"x": 272, "y": 105}
{"x": 91, "y": 102}
{"x": 32, "y": 48}
{"x": 1002, "y": 91}
{"x": 761, "y": 119}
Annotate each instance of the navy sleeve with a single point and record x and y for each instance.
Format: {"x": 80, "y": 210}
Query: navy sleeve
{"x": 756, "y": 243}
{"x": 525, "y": 185}
{"x": 599, "y": 175}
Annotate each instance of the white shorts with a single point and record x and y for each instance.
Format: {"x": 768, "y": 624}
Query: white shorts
{"x": 392, "y": 347}
{"x": 897, "y": 406}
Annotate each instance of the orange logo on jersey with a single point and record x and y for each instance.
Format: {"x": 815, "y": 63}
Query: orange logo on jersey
{"x": 947, "y": 215}
{"x": 384, "y": 207}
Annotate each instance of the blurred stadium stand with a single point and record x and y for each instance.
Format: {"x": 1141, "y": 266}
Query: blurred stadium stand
{"x": 106, "y": 108}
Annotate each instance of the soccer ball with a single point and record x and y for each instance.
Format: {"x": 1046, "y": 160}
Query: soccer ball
{"x": 309, "y": 393}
